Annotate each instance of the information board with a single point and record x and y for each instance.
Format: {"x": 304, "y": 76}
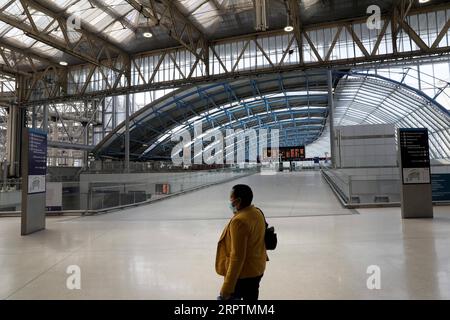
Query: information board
{"x": 287, "y": 153}
{"x": 37, "y": 161}
{"x": 415, "y": 156}
{"x": 33, "y": 168}
{"x": 441, "y": 187}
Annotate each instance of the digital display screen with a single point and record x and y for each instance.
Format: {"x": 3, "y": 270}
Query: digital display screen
{"x": 286, "y": 153}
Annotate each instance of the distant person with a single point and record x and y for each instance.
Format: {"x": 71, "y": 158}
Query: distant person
{"x": 241, "y": 252}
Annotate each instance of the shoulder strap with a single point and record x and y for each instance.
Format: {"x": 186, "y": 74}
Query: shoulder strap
{"x": 265, "y": 221}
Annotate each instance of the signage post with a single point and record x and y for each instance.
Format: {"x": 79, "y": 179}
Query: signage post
{"x": 415, "y": 173}
{"x": 34, "y": 170}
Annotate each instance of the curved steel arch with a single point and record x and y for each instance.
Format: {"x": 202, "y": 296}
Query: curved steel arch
{"x": 300, "y": 131}
{"x": 360, "y": 99}
{"x": 156, "y": 120}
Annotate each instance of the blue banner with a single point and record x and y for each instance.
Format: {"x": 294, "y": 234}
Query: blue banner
{"x": 441, "y": 186}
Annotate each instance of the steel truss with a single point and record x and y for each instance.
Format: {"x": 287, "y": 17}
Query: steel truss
{"x": 44, "y": 84}
{"x": 422, "y": 32}
{"x": 295, "y": 103}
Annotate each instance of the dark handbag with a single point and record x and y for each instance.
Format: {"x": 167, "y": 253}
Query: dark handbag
{"x": 270, "y": 237}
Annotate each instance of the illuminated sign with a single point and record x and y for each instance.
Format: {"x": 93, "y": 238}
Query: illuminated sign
{"x": 286, "y": 153}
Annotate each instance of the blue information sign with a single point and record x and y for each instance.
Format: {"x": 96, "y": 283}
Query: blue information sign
{"x": 37, "y": 160}
{"x": 441, "y": 187}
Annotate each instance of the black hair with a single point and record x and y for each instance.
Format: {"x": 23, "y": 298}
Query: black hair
{"x": 243, "y": 192}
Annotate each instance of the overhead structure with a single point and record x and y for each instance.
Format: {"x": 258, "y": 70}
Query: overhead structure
{"x": 373, "y": 99}
{"x": 79, "y": 65}
{"x": 295, "y": 103}
{"x": 75, "y": 49}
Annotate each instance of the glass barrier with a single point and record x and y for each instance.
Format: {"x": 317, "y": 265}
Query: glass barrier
{"x": 375, "y": 186}
{"x": 96, "y": 195}
{"x": 365, "y": 186}
{"x": 10, "y": 195}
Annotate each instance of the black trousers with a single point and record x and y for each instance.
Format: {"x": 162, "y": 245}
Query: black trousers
{"x": 247, "y": 289}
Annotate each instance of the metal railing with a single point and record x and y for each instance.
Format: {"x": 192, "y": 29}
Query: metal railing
{"x": 118, "y": 166}
{"x": 373, "y": 189}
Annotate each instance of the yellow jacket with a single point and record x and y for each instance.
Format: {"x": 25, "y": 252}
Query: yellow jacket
{"x": 241, "y": 251}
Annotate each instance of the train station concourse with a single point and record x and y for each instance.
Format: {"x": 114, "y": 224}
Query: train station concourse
{"x": 224, "y": 150}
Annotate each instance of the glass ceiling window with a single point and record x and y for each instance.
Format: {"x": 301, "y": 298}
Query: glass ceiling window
{"x": 433, "y": 78}
{"x": 207, "y": 14}
{"x": 116, "y": 19}
{"x": 364, "y": 99}
{"x": 18, "y": 38}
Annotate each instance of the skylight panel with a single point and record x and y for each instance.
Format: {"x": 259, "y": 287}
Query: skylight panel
{"x": 118, "y": 33}
{"x": 18, "y": 37}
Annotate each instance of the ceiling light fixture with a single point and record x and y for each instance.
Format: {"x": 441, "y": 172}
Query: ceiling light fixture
{"x": 424, "y": 1}
{"x": 288, "y": 28}
{"x": 147, "y": 35}
{"x": 63, "y": 63}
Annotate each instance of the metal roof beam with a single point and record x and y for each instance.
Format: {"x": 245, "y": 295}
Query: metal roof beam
{"x": 88, "y": 48}
{"x": 9, "y": 71}
{"x": 106, "y": 8}
{"x": 28, "y": 54}
{"x": 166, "y": 15}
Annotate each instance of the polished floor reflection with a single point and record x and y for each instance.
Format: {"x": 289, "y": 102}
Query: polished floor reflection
{"x": 166, "y": 250}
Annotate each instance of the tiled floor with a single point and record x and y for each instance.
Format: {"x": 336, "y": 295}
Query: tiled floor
{"x": 167, "y": 250}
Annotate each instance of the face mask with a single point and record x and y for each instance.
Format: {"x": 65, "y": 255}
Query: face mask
{"x": 232, "y": 208}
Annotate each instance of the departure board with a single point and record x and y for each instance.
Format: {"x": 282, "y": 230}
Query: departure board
{"x": 296, "y": 153}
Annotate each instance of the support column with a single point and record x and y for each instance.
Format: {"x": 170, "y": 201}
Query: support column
{"x": 331, "y": 116}
{"x": 103, "y": 118}
{"x": 86, "y": 136}
{"x": 45, "y": 118}
{"x": 56, "y": 153}
{"x": 16, "y": 121}
{"x": 127, "y": 118}
{"x": 113, "y": 112}
{"x": 127, "y": 133}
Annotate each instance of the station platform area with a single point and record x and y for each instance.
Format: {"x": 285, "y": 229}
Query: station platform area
{"x": 166, "y": 250}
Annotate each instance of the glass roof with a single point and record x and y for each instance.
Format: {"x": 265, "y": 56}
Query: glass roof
{"x": 226, "y": 105}
{"x": 119, "y": 22}
{"x": 116, "y": 21}
{"x": 362, "y": 99}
